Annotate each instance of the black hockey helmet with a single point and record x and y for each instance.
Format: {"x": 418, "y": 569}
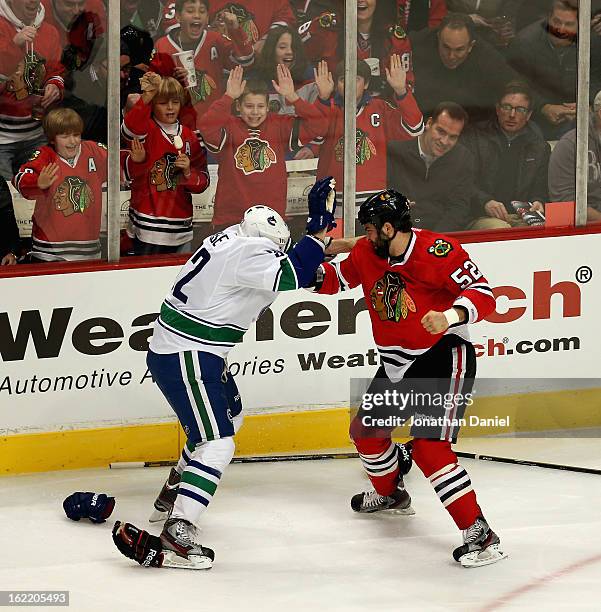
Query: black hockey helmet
{"x": 386, "y": 206}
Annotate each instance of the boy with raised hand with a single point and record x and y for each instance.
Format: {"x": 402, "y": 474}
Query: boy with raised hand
{"x": 165, "y": 171}
{"x": 214, "y": 53}
{"x": 251, "y": 147}
{"x": 65, "y": 179}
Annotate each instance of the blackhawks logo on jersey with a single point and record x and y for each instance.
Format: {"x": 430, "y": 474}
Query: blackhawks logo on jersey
{"x": 254, "y": 155}
{"x": 29, "y": 77}
{"x": 365, "y": 148}
{"x": 73, "y": 195}
{"x": 164, "y": 174}
{"x": 390, "y": 299}
{"x": 245, "y": 19}
{"x": 206, "y": 86}
{"x": 440, "y": 248}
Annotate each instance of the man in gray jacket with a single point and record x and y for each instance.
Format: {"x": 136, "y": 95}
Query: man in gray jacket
{"x": 562, "y": 167}
{"x": 511, "y": 160}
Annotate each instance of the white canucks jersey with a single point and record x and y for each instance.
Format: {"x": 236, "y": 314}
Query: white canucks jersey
{"x": 220, "y": 292}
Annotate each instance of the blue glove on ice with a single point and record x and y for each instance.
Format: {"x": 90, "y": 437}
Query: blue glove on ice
{"x": 95, "y": 506}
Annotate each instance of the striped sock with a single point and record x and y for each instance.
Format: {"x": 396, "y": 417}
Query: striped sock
{"x": 382, "y": 468}
{"x": 197, "y": 487}
{"x": 454, "y": 489}
{"x": 185, "y": 457}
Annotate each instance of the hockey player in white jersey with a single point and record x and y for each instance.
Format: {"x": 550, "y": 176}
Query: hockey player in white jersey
{"x": 218, "y": 294}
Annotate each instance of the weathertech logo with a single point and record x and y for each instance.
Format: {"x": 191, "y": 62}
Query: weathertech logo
{"x": 501, "y": 347}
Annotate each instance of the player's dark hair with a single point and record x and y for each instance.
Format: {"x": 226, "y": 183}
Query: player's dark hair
{"x": 179, "y": 4}
{"x": 517, "y": 87}
{"x": 62, "y": 121}
{"x": 458, "y": 21}
{"x": 266, "y": 65}
{"x": 453, "y": 110}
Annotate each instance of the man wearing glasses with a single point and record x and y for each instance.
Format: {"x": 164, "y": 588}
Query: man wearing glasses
{"x": 511, "y": 160}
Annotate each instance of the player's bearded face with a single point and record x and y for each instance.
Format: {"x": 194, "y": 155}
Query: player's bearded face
{"x": 379, "y": 239}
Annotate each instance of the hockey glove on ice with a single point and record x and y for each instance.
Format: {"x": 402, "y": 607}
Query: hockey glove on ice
{"x": 138, "y": 544}
{"x": 322, "y": 206}
{"x": 95, "y": 506}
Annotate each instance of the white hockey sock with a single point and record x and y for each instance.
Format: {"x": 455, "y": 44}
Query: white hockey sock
{"x": 201, "y": 477}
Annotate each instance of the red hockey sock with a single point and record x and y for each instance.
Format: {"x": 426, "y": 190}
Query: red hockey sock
{"x": 379, "y": 457}
{"x": 452, "y": 484}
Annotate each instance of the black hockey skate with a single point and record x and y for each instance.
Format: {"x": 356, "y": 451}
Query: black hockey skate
{"x": 480, "y": 546}
{"x": 180, "y": 547}
{"x": 164, "y": 502}
{"x": 399, "y": 502}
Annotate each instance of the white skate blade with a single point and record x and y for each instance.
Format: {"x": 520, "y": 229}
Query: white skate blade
{"x": 193, "y": 562}
{"x": 479, "y": 558}
{"x": 402, "y": 511}
{"x": 157, "y": 516}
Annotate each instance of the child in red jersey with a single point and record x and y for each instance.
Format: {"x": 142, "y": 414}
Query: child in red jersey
{"x": 165, "y": 171}
{"x": 378, "y": 122}
{"x": 65, "y": 179}
{"x": 379, "y": 37}
{"x": 213, "y": 52}
{"x": 252, "y": 147}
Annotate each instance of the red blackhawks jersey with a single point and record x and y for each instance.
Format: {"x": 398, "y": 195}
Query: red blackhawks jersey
{"x": 434, "y": 273}
{"x": 67, "y": 215}
{"x": 378, "y": 122}
{"x": 252, "y": 162}
{"x": 160, "y": 210}
{"x": 321, "y": 36}
{"x": 213, "y": 54}
{"x": 24, "y": 73}
{"x": 256, "y": 17}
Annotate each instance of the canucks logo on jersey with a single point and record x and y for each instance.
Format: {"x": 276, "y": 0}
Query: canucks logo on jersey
{"x": 365, "y": 148}
{"x": 73, "y": 195}
{"x": 390, "y": 299}
{"x": 254, "y": 155}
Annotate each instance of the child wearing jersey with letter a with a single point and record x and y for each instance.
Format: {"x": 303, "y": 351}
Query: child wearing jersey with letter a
{"x": 378, "y": 123}
{"x": 251, "y": 148}
{"x": 166, "y": 165}
{"x": 213, "y": 52}
{"x": 65, "y": 179}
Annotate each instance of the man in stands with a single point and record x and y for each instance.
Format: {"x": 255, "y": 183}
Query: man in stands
{"x": 434, "y": 172}
{"x": 546, "y": 55}
{"x": 511, "y": 161}
{"x": 449, "y": 64}
{"x": 562, "y": 167}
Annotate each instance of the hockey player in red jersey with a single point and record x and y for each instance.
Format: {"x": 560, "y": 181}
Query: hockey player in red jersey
{"x": 165, "y": 171}
{"x": 421, "y": 290}
{"x": 213, "y": 52}
{"x": 251, "y": 148}
{"x": 65, "y": 179}
{"x": 379, "y": 37}
{"x": 378, "y": 122}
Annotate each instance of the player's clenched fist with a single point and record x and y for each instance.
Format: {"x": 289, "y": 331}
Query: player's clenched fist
{"x": 435, "y": 322}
